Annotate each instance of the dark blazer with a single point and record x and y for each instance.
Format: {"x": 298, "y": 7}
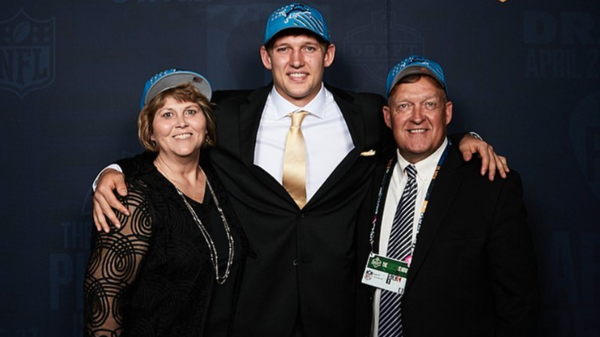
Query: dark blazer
{"x": 473, "y": 271}
{"x": 302, "y": 269}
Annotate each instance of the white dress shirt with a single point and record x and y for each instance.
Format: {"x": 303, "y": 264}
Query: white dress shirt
{"x": 425, "y": 169}
{"x": 325, "y": 133}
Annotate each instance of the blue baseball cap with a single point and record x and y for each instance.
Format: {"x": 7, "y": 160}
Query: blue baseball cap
{"x": 171, "y": 78}
{"x": 296, "y": 15}
{"x": 415, "y": 65}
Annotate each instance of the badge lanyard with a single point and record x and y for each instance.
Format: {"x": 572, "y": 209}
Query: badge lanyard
{"x": 386, "y": 179}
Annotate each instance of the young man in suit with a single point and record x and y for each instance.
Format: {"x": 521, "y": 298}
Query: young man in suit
{"x": 460, "y": 245}
{"x": 300, "y": 279}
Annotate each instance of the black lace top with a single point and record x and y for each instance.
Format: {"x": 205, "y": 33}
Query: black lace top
{"x": 153, "y": 277}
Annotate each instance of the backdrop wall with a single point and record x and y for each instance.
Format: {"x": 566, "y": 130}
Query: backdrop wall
{"x": 524, "y": 74}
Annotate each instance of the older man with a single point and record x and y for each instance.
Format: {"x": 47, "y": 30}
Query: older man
{"x": 451, "y": 252}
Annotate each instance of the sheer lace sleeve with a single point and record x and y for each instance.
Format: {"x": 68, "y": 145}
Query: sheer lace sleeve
{"x": 114, "y": 261}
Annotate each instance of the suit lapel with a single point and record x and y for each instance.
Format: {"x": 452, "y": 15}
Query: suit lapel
{"x": 250, "y": 114}
{"x": 384, "y": 186}
{"x": 446, "y": 185}
{"x": 353, "y": 115}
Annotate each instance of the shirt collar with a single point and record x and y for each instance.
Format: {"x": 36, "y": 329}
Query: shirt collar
{"x": 282, "y": 107}
{"x": 426, "y": 167}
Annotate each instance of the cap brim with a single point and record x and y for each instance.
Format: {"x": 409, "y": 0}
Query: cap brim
{"x": 416, "y": 70}
{"x": 310, "y": 32}
{"x": 175, "y": 79}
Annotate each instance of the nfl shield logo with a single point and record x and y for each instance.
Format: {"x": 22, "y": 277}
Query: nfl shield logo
{"x": 26, "y": 53}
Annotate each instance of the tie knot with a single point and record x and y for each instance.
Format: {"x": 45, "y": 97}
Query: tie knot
{"x": 411, "y": 170}
{"x": 297, "y": 117}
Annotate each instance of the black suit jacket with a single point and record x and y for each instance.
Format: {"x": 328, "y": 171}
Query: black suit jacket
{"x": 301, "y": 273}
{"x": 473, "y": 270}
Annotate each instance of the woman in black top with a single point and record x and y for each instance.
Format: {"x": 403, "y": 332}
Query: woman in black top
{"x": 181, "y": 248}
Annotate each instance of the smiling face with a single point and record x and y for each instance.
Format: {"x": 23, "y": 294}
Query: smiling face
{"x": 297, "y": 63}
{"x": 418, "y": 114}
{"x": 178, "y": 128}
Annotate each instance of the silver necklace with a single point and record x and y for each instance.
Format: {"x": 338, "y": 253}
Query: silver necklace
{"x": 214, "y": 257}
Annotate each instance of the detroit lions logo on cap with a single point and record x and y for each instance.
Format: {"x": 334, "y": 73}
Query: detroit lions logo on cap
{"x": 296, "y": 15}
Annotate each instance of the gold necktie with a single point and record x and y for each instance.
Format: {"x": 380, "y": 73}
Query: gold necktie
{"x": 294, "y": 161}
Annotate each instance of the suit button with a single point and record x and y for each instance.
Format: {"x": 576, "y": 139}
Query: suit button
{"x": 301, "y": 215}
{"x": 295, "y": 262}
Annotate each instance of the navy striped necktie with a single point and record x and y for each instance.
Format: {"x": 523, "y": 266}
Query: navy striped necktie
{"x": 399, "y": 246}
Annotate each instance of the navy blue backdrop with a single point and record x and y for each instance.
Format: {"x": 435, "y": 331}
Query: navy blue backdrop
{"x": 524, "y": 74}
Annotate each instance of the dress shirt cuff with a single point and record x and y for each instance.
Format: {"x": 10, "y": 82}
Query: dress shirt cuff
{"x": 475, "y": 135}
{"x": 115, "y": 167}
